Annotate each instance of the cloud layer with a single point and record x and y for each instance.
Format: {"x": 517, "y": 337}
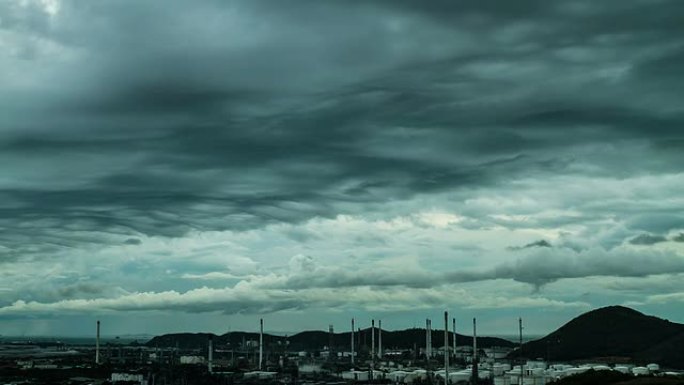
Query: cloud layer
{"x": 162, "y": 155}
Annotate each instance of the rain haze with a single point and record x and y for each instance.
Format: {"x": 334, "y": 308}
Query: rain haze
{"x": 174, "y": 166}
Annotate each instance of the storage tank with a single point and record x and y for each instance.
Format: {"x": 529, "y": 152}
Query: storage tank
{"x": 397, "y": 376}
{"x": 463, "y": 375}
{"x": 653, "y": 367}
{"x": 418, "y": 374}
{"x": 640, "y": 371}
{"x": 622, "y": 369}
{"x": 600, "y": 367}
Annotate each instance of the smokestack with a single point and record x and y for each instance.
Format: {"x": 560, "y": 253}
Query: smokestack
{"x": 430, "y": 338}
{"x": 522, "y": 372}
{"x": 211, "y": 354}
{"x": 380, "y": 339}
{"x": 372, "y": 340}
{"x": 352, "y": 341}
{"x": 454, "y": 335}
{"x": 446, "y": 348}
{"x": 372, "y": 349}
{"x": 474, "y": 338}
{"x": 97, "y": 345}
{"x": 475, "y": 368}
{"x": 427, "y": 339}
{"x": 261, "y": 343}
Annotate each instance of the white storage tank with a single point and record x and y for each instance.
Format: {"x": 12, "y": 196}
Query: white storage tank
{"x": 653, "y": 367}
{"x": 601, "y": 367}
{"x": 418, "y": 374}
{"x": 397, "y": 376}
{"x": 463, "y": 375}
{"x": 622, "y": 369}
{"x": 355, "y": 375}
{"x": 640, "y": 371}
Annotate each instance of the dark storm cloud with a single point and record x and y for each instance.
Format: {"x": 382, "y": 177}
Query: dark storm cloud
{"x": 647, "y": 239}
{"x": 172, "y": 117}
{"x": 539, "y": 243}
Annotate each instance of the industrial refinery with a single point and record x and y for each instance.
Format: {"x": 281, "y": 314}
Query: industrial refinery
{"x": 263, "y": 358}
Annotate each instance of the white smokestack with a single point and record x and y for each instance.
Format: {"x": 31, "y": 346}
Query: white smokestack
{"x": 522, "y": 371}
{"x": 261, "y": 343}
{"x": 430, "y": 338}
{"x": 380, "y": 339}
{"x": 474, "y": 340}
{"x": 352, "y": 341}
{"x": 427, "y": 337}
{"x": 97, "y": 344}
{"x": 454, "y": 336}
{"x": 373, "y": 340}
{"x": 446, "y": 348}
{"x": 210, "y": 355}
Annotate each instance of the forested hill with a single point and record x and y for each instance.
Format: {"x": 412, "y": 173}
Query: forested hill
{"x": 613, "y": 333}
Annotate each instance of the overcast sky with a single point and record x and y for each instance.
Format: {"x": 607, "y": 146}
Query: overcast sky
{"x": 195, "y": 165}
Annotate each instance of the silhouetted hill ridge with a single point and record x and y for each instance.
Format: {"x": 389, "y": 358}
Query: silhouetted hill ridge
{"x": 315, "y": 339}
{"x": 614, "y": 332}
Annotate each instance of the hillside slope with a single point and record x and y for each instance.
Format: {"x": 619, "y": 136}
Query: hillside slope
{"x": 614, "y": 333}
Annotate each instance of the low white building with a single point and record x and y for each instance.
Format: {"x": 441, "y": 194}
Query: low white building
{"x": 128, "y": 377}
{"x": 192, "y": 360}
{"x": 261, "y": 375}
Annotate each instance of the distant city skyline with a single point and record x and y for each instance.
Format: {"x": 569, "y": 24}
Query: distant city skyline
{"x": 173, "y": 166}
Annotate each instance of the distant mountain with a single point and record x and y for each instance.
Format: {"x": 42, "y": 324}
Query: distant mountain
{"x": 312, "y": 340}
{"x": 613, "y": 333}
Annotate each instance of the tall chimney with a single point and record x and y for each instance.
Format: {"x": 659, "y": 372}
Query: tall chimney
{"x": 474, "y": 338}
{"x": 331, "y": 341}
{"x": 380, "y": 339}
{"x": 454, "y": 335}
{"x": 446, "y": 348}
{"x": 430, "y": 338}
{"x": 211, "y": 354}
{"x": 427, "y": 339}
{"x": 261, "y": 343}
{"x": 372, "y": 340}
{"x": 522, "y": 371}
{"x": 352, "y": 341}
{"x": 372, "y": 350}
{"x": 97, "y": 344}
{"x": 475, "y": 368}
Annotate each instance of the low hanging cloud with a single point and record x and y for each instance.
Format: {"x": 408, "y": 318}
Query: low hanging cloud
{"x": 308, "y": 285}
{"x": 537, "y": 269}
{"x": 540, "y": 243}
{"x": 647, "y": 239}
{"x": 244, "y": 299}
